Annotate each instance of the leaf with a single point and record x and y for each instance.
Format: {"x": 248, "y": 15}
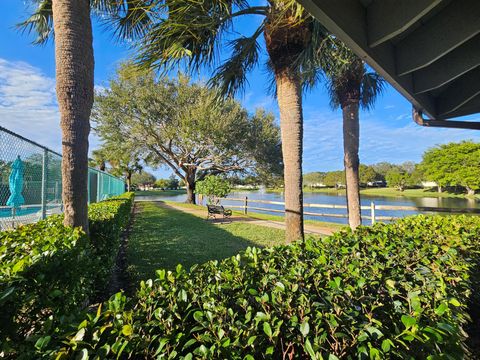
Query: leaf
{"x": 386, "y": 344}
{"x": 182, "y": 295}
{"x": 309, "y": 349}
{"x": 304, "y": 328}
{"x": 79, "y": 335}
{"x": 18, "y": 266}
{"x": 408, "y": 321}
{"x": 198, "y": 316}
{"x": 455, "y": 302}
{"x": 390, "y": 283}
{"x": 42, "y": 342}
{"x": 267, "y": 329}
{"x": 440, "y": 310}
{"x": 127, "y": 330}
{"x": 83, "y": 355}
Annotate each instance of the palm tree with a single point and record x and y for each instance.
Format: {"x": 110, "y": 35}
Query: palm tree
{"x": 191, "y": 34}
{"x": 74, "y": 80}
{"x": 99, "y": 160}
{"x": 351, "y": 87}
{"x": 70, "y": 21}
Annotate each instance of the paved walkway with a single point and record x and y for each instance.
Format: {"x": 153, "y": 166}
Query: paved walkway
{"x": 309, "y": 229}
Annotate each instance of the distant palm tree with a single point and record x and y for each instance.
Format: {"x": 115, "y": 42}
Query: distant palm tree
{"x": 71, "y": 23}
{"x": 351, "y": 87}
{"x": 99, "y": 160}
{"x": 192, "y": 33}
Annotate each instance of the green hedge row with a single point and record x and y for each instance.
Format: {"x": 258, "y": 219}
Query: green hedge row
{"x": 49, "y": 272}
{"x": 389, "y": 291}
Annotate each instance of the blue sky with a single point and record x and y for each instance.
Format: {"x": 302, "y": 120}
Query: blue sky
{"x": 28, "y": 103}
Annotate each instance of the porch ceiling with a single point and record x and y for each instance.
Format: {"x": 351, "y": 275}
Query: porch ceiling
{"x": 429, "y": 50}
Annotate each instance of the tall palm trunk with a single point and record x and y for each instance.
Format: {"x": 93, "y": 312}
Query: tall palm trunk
{"x": 284, "y": 44}
{"x": 291, "y": 125}
{"x": 74, "y": 76}
{"x": 352, "y": 162}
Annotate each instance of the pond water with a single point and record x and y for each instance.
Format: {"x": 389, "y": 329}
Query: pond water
{"x": 322, "y": 198}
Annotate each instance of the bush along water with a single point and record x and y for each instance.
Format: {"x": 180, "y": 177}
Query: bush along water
{"x": 398, "y": 291}
{"x": 49, "y": 273}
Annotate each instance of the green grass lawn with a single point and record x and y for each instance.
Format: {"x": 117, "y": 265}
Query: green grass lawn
{"x": 163, "y": 238}
{"x": 160, "y": 192}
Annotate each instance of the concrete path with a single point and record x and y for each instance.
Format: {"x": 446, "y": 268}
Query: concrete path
{"x": 201, "y": 212}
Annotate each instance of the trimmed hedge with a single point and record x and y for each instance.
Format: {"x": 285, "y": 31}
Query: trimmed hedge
{"x": 389, "y": 291}
{"x": 49, "y": 272}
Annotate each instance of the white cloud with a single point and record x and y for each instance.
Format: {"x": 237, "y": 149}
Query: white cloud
{"x": 28, "y": 104}
{"x": 379, "y": 141}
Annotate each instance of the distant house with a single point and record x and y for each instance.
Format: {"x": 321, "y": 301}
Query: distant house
{"x": 316, "y": 185}
{"x": 379, "y": 183}
{"x": 428, "y": 184}
{"x": 145, "y": 187}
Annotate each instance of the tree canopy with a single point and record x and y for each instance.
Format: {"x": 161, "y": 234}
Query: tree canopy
{"x": 143, "y": 178}
{"x": 186, "y": 126}
{"x": 214, "y": 187}
{"x": 453, "y": 164}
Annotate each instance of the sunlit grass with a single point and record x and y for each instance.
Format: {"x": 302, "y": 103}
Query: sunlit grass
{"x": 165, "y": 237}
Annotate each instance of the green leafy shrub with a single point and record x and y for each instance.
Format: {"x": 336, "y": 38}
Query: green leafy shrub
{"x": 49, "y": 272}
{"x": 388, "y": 291}
{"x": 107, "y": 219}
{"x": 214, "y": 188}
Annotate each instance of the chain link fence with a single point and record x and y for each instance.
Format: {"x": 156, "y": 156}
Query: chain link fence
{"x": 31, "y": 181}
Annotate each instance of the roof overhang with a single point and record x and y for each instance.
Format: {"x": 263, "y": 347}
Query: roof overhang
{"x": 429, "y": 50}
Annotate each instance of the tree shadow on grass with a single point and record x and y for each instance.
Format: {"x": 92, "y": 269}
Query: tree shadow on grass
{"x": 163, "y": 237}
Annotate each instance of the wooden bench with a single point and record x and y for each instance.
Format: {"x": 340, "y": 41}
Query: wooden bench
{"x": 214, "y": 210}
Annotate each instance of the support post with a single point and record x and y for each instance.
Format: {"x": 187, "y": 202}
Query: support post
{"x": 372, "y": 212}
{"x": 245, "y": 206}
{"x": 44, "y": 183}
{"x": 99, "y": 182}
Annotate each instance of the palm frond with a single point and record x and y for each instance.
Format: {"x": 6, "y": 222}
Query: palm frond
{"x": 40, "y": 22}
{"x": 371, "y": 88}
{"x": 191, "y": 34}
{"x": 231, "y": 76}
{"x": 128, "y": 19}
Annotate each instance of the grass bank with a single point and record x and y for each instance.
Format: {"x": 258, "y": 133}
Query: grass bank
{"x": 164, "y": 237}
{"x": 387, "y": 192}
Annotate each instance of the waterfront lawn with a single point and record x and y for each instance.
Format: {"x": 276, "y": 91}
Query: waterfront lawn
{"x": 164, "y": 237}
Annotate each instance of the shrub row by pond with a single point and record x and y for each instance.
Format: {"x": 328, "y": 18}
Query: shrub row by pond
{"x": 389, "y": 291}
{"x": 49, "y": 272}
